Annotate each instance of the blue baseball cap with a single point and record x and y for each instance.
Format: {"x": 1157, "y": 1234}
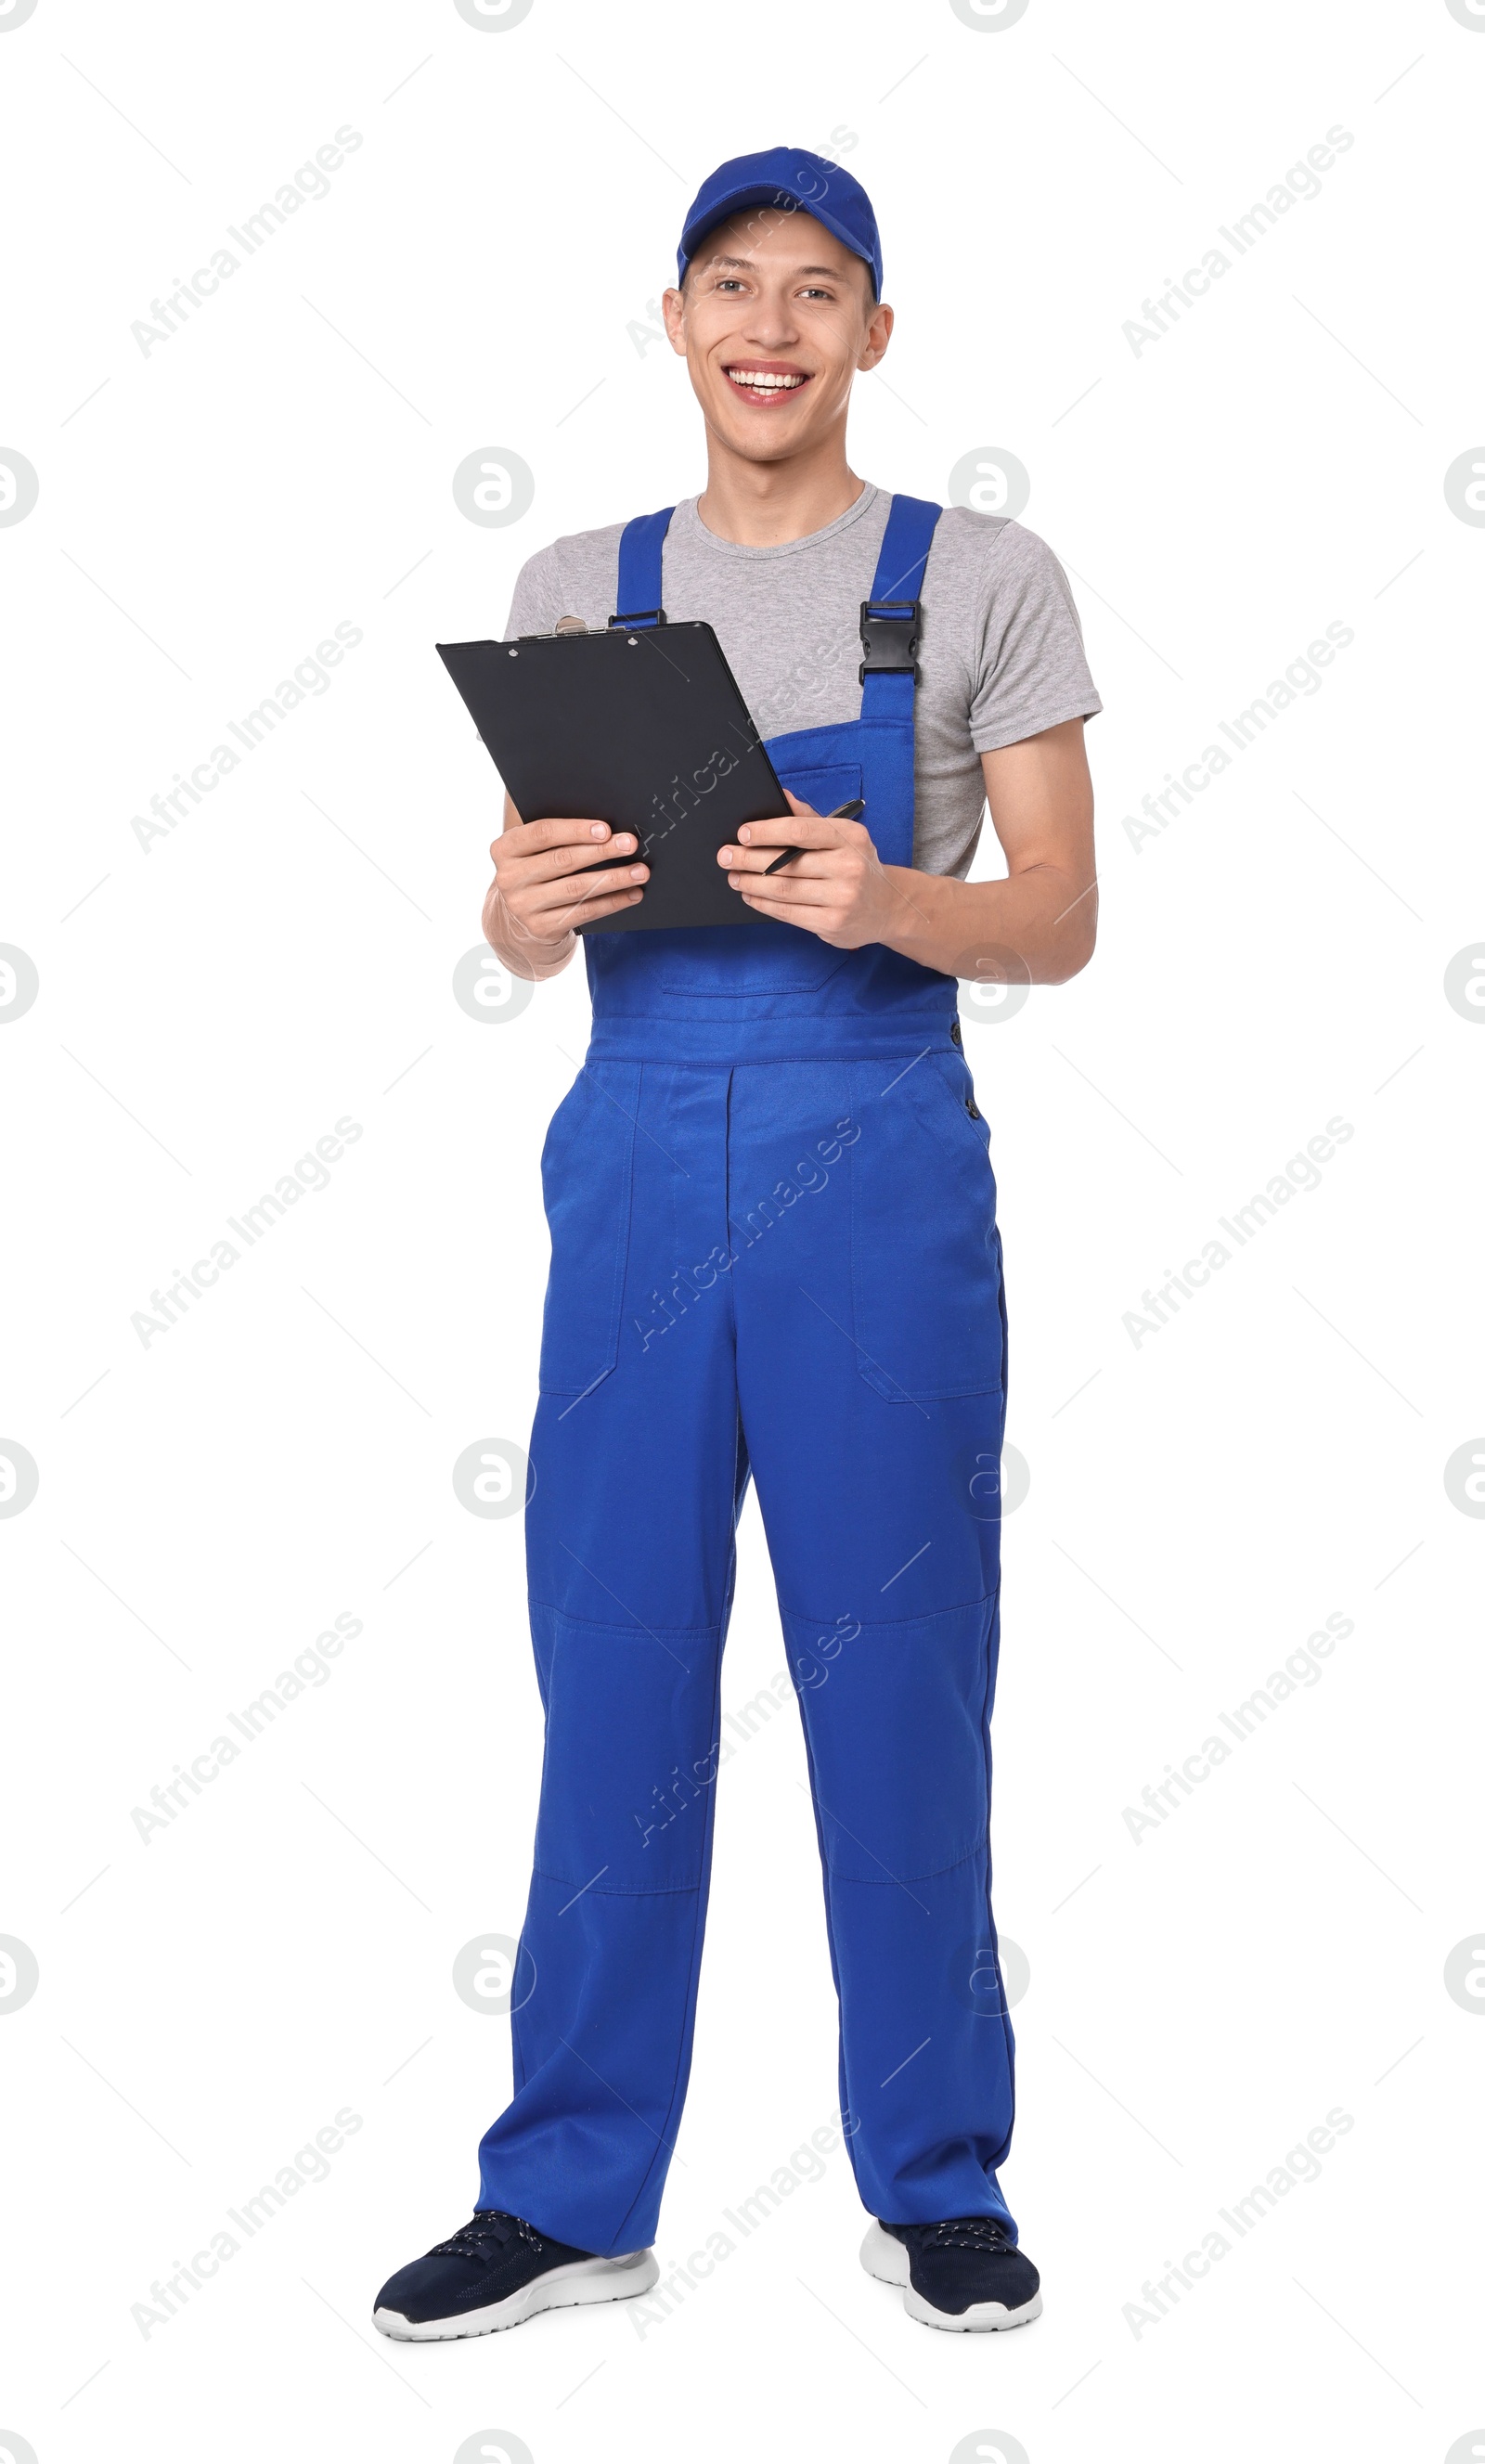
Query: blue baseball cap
{"x": 795, "y": 181}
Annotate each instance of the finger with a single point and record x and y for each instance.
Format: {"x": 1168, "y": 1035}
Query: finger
{"x": 580, "y": 889}
{"x": 805, "y": 919}
{"x": 803, "y": 829}
{"x": 558, "y": 860}
{"x": 813, "y": 861}
{"x": 785, "y": 890}
{"x": 546, "y": 929}
{"x": 555, "y": 830}
{"x": 609, "y": 905}
{"x": 514, "y": 864}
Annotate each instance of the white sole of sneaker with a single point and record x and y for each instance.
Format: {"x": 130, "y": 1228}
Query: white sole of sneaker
{"x": 561, "y": 2288}
{"x": 887, "y": 2260}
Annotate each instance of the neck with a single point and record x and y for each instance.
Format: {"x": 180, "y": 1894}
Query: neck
{"x": 765, "y": 504}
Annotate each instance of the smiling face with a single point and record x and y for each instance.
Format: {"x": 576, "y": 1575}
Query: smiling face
{"x": 775, "y": 317}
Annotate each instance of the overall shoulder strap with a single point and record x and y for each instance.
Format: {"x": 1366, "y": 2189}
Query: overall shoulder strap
{"x": 640, "y": 549}
{"x": 905, "y": 549}
{"x": 889, "y": 618}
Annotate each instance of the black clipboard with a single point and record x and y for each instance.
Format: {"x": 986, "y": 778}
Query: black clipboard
{"x": 642, "y": 728}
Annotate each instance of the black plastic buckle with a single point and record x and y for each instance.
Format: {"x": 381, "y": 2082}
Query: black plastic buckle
{"x": 890, "y": 641}
{"x": 641, "y": 617}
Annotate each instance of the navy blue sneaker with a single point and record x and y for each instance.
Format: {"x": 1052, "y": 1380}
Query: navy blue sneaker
{"x": 495, "y": 2272}
{"x": 964, "y": 2274}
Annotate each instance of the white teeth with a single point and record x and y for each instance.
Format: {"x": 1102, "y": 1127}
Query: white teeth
{"x": 756, "y": 381}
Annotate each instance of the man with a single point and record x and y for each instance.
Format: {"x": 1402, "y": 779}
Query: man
{"x": 774, "y": 1255}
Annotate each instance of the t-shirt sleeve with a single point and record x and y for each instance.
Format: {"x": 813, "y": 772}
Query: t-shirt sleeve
{"x": 1031, "y": 672}
{"x": 533, "y": 607}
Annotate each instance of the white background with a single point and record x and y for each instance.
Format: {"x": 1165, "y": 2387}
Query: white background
{"x": 207, "y": 514}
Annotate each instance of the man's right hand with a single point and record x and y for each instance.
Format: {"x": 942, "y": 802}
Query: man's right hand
{"x": 544, "y": 885}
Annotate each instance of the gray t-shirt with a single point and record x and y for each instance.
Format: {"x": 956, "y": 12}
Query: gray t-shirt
{"x": 1001, "y": 654}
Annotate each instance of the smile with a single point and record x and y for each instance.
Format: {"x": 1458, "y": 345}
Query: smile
{"x": 766, "y": 385}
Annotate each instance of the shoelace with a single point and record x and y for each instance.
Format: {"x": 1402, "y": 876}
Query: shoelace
{"x": 489, "y": 2225}
{"x": 967, "y": 2233}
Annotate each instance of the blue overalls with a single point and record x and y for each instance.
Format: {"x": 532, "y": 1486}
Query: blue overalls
{"x": 774, "y": 1254}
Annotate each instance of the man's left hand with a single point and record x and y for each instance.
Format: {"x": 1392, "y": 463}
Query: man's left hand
{"x": 838, "y": 888}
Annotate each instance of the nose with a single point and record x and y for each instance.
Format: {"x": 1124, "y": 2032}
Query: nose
{"x": 772, "y": 327}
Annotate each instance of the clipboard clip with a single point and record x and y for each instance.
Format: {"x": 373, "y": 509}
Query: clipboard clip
{"x": 642, "y": 617}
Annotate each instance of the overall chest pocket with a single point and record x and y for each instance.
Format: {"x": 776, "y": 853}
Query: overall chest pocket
{"x": 760, "y": 957}
{"x": 784, "y": 957}
{"x": 925, "y": 1256}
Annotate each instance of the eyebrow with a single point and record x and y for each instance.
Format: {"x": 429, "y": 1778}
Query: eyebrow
{"x": 749, "y": 265}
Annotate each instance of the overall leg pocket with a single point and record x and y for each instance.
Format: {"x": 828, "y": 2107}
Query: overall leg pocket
{"x": 924, "y": 1250}
{"x": 894, "y": 1719}
{"x": 588, "y": 1169}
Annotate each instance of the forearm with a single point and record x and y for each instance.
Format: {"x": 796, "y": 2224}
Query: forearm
{"x": 1041, "y": 913}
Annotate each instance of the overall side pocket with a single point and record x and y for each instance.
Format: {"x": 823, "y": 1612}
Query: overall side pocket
{"x": 587, "y": 1166}
{"x": 925, "y": 1253}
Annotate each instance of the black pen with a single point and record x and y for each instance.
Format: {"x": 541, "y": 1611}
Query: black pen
{"x": 842, "y": 813}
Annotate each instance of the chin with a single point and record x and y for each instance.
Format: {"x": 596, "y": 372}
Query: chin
{"x": 762, "y": 439}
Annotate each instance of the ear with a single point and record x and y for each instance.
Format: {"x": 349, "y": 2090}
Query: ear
{"x": 672, "y": 307}
{"x": 878, "y": 333}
